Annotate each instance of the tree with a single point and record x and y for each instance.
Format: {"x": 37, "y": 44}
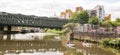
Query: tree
{"x": 80, "y": 17}
{"x": 114, "y": 24}
{"x": 94, "y": 20}
{"x": 109, "y": 23}
{"x": 106, "y": 24}
{"x": 117, "y": 20}
{"x": 69, "y": 28}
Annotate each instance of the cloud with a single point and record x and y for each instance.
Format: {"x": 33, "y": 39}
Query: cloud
{"x": 111, "y": 1}
{"x": 49, "y": 7}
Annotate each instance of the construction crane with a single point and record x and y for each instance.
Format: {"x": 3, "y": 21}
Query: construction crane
{"x": 53, "y": 9}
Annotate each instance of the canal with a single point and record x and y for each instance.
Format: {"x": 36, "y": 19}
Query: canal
{"x": 42, "y": 44}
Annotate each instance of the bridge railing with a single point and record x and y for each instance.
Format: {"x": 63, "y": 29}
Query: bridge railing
{"x": 34, "y": 21}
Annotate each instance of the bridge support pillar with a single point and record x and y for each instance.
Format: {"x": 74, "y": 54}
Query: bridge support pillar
{"x": 8, "y": 37}
{"x": 1, "y": 28}
{"x": 1, "y": 36}
{"x": 9, "y": 28}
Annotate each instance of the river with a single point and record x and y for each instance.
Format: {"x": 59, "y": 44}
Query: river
{"x": 25, "y": 44}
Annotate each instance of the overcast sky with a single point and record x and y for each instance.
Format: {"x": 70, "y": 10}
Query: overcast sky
{"x": 49, "y": 7}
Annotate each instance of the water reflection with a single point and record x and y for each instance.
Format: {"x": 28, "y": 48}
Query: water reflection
{"x": 27, "y": 36}
{"x": 19, "y": 47}
{"x": 92, "y": 50}
{"x": 47, "y": 47}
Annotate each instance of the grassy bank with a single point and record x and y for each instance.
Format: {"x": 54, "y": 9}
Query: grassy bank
{"x": 55, "y": 31}
{"x": 111, "y": 42}
{"x": 86, "y": 39}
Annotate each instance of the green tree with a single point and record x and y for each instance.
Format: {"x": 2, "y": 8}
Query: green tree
{"x": 69, "y": 28}
{"x": 114, "y": 24}
{"x": 106, "y": 24}
{"x": 80, "y": 17}
{"x": 94, "y": 20}
{"x": 109, "y": 23}
{"x": 117, "y": 20}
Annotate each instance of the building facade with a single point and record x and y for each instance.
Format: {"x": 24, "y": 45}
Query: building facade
{"x": 100, "y": 12}
{"x": 92, "y": 13}
{"x": 108, "y": 17}
{"x": 62, "y": 15}
{"x": 78, "y": 9}
{"x": 68, "y": 13}
{"x": 97, "y": 11}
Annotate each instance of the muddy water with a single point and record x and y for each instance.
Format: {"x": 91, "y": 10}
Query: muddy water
{"x": 24, "y": 44}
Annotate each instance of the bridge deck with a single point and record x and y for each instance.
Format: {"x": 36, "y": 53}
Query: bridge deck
{"x": 7, "y": 19}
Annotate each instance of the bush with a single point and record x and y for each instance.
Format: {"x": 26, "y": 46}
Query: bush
{"x": 105, "y": 41}
{"x": 54, "y": 31}
{"x": 49, "y": 36}
{"x": 111, "y": 42}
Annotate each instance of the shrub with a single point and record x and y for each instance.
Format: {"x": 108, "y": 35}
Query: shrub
{"x": 105, "y": 41}
{"x": 111, "y": 42}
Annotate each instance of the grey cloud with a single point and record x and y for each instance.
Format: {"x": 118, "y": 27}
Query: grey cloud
{"x": 46, "y": 7}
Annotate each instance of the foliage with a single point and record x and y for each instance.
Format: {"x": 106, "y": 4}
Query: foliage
{"x": 105, "y": 41}
{"x": 49, "y": 37}
{"x": 54, "y": 31}
{"x": 105, "y": 23}
{"x": 109, "y": 23}
{"x": 69, "y": 27}
{"x": 88, "y": 39}
{"x": 111, "y": 42}
{"x": 94, "y": 20}
{"x": 117, "y": 20}
{"x": 114, "y": 24}
{"x": 80, "y": 17}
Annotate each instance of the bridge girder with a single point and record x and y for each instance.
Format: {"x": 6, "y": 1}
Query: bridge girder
{"x": 8, "y": 19}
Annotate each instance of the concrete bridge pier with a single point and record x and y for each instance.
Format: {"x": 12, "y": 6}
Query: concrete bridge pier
{"x": 1, "y": 36}
{"x": 1, "y": 28}
{"x": 8, "y": 37}
{"x": 9, "y": 28}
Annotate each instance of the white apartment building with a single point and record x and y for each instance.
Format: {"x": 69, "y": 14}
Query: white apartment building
{"x": 100, "y": 12}
{"x": 97, "y": 11}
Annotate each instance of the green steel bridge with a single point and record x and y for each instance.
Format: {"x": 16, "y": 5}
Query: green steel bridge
{"x": 8, "y": 19}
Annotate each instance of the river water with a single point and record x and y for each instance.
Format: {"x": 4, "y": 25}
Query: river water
{"x": 25, "y": 44}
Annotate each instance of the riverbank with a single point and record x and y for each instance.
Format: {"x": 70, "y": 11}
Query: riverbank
{"x": 108, "y": 41}
{"x": 111, "y": 42}
{"x": 93, "y": 49}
